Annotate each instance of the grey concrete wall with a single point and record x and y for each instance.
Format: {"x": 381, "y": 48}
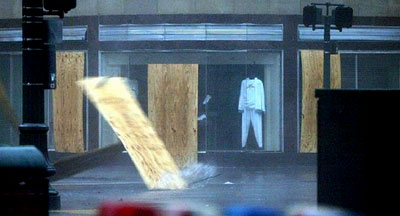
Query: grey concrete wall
{"x": 12, "y": 8}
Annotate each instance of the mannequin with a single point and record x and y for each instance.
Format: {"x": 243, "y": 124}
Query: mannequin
{"x": 252, "y": 106}
{"x": 251, "y": 74}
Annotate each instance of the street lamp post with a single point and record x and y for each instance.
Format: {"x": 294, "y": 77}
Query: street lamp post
{"x": 38, "y": 56}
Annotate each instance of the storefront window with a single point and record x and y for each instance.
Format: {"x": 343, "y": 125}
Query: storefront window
{"x": 378, "y": 71}
{"x": 11, "y": 82}
{"x": 370, "y": 70}
{"x": 362, "y": 70}
{"x": 348, "y": 66}
{"x": 220, "y": 75}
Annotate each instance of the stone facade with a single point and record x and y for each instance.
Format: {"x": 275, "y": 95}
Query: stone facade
{"x": 12, "y": 8}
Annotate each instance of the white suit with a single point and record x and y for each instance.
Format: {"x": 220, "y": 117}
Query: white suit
{"x": 252, "y": 105}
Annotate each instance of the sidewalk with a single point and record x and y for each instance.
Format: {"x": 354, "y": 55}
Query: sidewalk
{"x": 273, "y": 186}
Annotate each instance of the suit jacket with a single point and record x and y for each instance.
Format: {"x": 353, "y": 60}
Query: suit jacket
{"x": 252, "y": 95}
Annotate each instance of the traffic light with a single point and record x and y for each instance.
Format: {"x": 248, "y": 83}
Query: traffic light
{"x": 59, "y": 5}
{"x": 343, "y": 17}
{"x": 311, "y": 15}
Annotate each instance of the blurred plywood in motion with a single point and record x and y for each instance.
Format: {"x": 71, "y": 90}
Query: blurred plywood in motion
{"x": 312, "y": 78}
{"x": 173, "y": 109}
{"x": 114, "y": 100}
{"x": 67, "y": 103}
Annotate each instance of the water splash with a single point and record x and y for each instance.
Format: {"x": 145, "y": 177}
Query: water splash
{"x": 195, "y": 175}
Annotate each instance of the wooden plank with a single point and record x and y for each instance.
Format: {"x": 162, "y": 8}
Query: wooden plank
{"x": 312, "y": 78}
{"x": 336, "y": 72}
{"x": 173, "y": 109}
{"x": 67, "y": 103}
{"x": 115, "y": 101}
{"x": 77, "y": 163}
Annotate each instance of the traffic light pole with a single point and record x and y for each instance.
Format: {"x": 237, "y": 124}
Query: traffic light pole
{"x": 33, "y": 130}
{"x": 328, "y": 46}
{"x": 327, "y": 49}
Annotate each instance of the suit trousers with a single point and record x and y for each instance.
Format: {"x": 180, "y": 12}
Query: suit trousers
{"x": 253, "y": 117}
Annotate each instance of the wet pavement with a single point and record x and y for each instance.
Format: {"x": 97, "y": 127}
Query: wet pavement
{"x": 274, "y": 185}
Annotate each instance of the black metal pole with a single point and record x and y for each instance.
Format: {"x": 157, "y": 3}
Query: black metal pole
{"x": 33, "y": 130}
{"x": 327, "y": 49}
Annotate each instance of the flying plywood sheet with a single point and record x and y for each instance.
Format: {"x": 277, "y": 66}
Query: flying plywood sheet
{"x": 115, "y": 101}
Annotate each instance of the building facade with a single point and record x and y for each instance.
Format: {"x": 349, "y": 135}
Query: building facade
{"x": 227, "y": 39}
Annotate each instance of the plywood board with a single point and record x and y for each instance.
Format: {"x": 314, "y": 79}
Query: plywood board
{"x": 173, "y": 108}
{"x": 116, "y": 103}
{"x": 68, "y": 103}
{"x": 312, "y": 78}
{"x": 336, "y": 72}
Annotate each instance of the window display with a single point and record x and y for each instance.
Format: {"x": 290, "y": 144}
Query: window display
{"x": 252, "y": 106}
{"x": 220, "y": 76}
